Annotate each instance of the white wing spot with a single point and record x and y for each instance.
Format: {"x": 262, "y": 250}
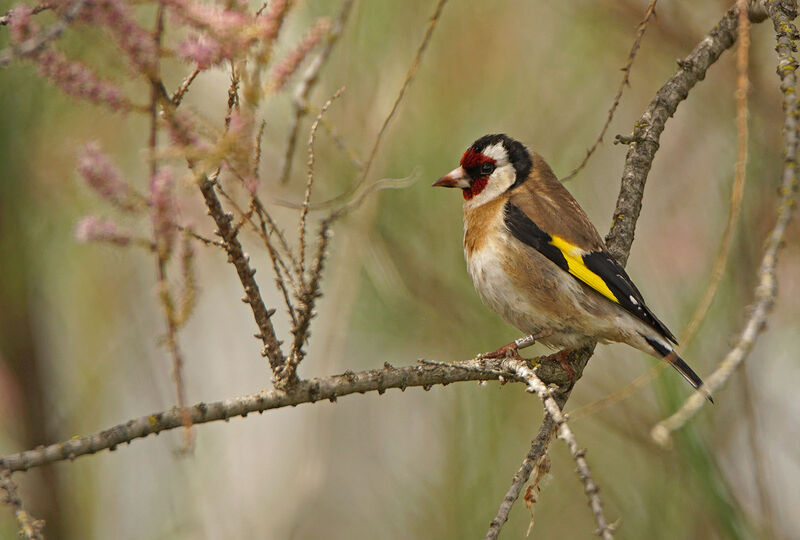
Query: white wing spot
{"x": 633, "y": 300}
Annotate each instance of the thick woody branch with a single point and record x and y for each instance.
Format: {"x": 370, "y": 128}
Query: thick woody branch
{"x": 782, "y": 13}
{"x": 305, "y": 391}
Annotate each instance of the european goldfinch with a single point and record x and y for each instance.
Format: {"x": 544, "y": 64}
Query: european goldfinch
{"x": 537, "y": 260}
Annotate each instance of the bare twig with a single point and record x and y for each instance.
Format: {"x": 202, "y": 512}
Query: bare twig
{"x": 306, "y": 391}
{"x": 559, "y": 421}
{"x": 177, "y": 97}
{"x": 237, "y": 257}
{"x": 647, "y": 131}
{"x": 207, "y": 241}
{"x": 29, "y": 527}
{"x": 310, "y": 77}
{"x": 538, "y": 449}
{"x": 412, "y": 71}
{"x": 651, "y": 9}
{"x": 782, "y": 16}
{"x": 301, "y": 250}
{"x": 723, "y": 251}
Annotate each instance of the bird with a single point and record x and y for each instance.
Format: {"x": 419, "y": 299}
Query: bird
{"x": 536, "y": 259}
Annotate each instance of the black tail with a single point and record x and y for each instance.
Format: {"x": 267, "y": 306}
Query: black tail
{"x": 679, "y": 365}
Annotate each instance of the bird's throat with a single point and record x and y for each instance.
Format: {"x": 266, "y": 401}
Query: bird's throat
{"x": 477, "y": 186}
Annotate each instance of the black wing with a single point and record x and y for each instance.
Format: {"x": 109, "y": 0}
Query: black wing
{"x": 597, "y": 269}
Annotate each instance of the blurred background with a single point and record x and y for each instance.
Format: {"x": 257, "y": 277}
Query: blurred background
{"x": 80, "y": 325}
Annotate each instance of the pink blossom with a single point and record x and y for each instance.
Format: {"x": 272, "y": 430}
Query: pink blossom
{"x": 92, "y": 229}
{"x": 271, "y": 23}
{"x": 182, "y": 133}
{"x": 21, "y": 23}
{"x": 240, "y": 123}
{"x": 202, "y": 50}
{"x": 251, "y": 184}
{"x": 117, "y": 17}
{"x": 104, "y": 178}
{"x": 78, "y": 80}
{"x": 163, "y": 209}
{"x": 284, "y": 69}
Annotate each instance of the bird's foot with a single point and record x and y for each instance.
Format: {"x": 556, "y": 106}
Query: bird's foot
{"x": 561, "y": 358}
{"x": 506, "y": 351}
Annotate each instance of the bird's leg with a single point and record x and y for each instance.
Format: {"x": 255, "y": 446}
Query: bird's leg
{"x": 512, "y": 349}
{"x": 561, "y": 358}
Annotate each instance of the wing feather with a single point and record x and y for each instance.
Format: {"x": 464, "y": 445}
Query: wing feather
{"x": 595, "y": 268}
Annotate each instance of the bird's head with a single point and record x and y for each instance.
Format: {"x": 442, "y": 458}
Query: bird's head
{"x": 491, "y": 165}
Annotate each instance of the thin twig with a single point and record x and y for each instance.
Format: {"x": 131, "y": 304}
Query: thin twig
{"x": 177, "y": 97}
{"x": 538, "y": 449}
{"x": 237, "y": 257}
{"x": 30, "y": 528}
{"x": 766, "y": 289}
{"x": 640, "y": 30}
{"x": 207, "y": 241}
{"x": 553, "y": 410}
{"x": 301, "y": 250}
{"x": 310, "y": 78}
{"x": 644, "y": 142}
{"x": 306, "y": 391}
{"x": 412, "y": 71}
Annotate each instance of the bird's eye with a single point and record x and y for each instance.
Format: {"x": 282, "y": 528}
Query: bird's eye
{"x": 487, "y": 168}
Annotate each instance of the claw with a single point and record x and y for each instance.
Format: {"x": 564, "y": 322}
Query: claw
{"x": 561, "y": 358}
{"x": 506, "y": 351}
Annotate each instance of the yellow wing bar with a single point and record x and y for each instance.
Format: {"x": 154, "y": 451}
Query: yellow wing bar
{"x": 574, "y": 256}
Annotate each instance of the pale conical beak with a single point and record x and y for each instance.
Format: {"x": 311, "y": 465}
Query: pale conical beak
{"x": 456, "y": 178}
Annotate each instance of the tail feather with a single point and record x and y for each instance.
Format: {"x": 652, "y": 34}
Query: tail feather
{"x": 680, "y": 366}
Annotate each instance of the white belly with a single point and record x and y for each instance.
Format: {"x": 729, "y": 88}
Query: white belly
{"x": 528, "y": 310}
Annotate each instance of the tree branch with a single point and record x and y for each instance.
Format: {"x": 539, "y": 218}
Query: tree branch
{"x": 643, "y": 146}
{"x": 30, "y": 528}
{"x": 647, "y": 131}
{"x": 782, "y": 13}
{"x": 306, "y": 391}
{"x": 237, "y": 257}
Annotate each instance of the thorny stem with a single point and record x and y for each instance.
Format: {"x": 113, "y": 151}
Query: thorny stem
{"x": 237, "y": 257}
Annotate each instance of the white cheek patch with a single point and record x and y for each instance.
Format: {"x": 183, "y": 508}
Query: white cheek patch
{"x": 501, "y": 179}
{"x": 497, "y": 152}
